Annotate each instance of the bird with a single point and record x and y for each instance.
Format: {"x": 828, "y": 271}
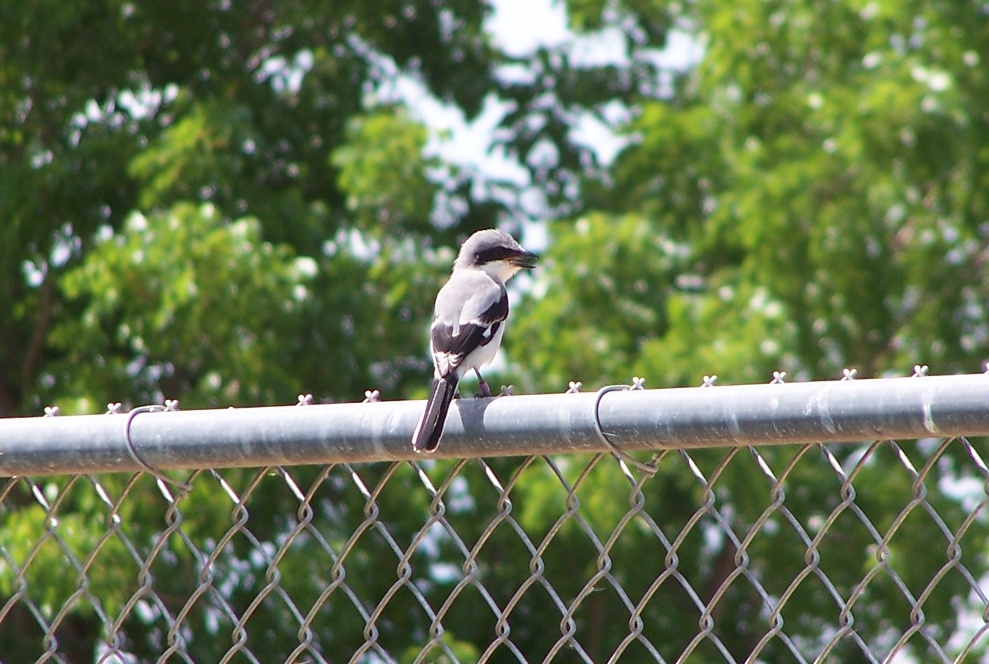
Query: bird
{"x": 468, "y": 323}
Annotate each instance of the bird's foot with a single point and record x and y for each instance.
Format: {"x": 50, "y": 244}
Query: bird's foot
{"x": 483, "y": 390}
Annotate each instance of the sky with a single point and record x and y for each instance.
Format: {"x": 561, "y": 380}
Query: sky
{"x": 519, "y": 27}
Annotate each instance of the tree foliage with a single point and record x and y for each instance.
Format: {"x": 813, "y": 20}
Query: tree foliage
{"x": 210, "y": 201}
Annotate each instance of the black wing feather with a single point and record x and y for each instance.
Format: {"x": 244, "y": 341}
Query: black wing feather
{"x": 472, "y": 335}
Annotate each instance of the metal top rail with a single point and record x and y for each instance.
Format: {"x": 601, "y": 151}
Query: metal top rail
{"x": 636, "y": 419}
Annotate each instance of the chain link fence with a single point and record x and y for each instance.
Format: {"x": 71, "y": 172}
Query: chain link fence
{"x": 851, "y": 552}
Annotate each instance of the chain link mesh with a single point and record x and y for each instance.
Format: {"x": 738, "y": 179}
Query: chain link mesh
{"x": 797, "y": 553}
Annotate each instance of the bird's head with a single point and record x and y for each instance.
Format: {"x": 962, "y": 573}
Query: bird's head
{"x": 495, "y": 252}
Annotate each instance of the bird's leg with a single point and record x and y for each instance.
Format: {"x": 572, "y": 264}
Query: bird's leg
{"x": 481, "y": 385}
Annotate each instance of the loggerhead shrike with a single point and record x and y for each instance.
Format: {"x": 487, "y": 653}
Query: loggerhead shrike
{"x": 468, "y": 323}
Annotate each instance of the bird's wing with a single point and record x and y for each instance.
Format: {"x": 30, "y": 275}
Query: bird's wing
{"x": 468, "y": 314}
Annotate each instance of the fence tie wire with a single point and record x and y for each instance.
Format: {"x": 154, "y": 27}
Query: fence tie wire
{"x": 620, "y": 454}
{"x": 170, "y": 405}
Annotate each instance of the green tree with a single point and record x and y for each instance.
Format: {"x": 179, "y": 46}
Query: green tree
{"x": 203, "y": 201}
{"x": 812, "y": 197}
{"x": 251, "y": 108}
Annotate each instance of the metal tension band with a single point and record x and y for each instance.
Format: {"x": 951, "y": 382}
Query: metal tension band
{"x": 648, "y": 468}
{"x": 136, "y": 458}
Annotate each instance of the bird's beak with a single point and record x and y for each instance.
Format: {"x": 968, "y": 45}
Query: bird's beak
{"x": 526, "y": 260}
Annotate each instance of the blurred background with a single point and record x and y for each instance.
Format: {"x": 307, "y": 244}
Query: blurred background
{"x": 233, "y": 203}
{"x": 230, "y": 204}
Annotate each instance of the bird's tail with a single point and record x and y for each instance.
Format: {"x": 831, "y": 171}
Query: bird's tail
{"x": 427, "y": 434}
